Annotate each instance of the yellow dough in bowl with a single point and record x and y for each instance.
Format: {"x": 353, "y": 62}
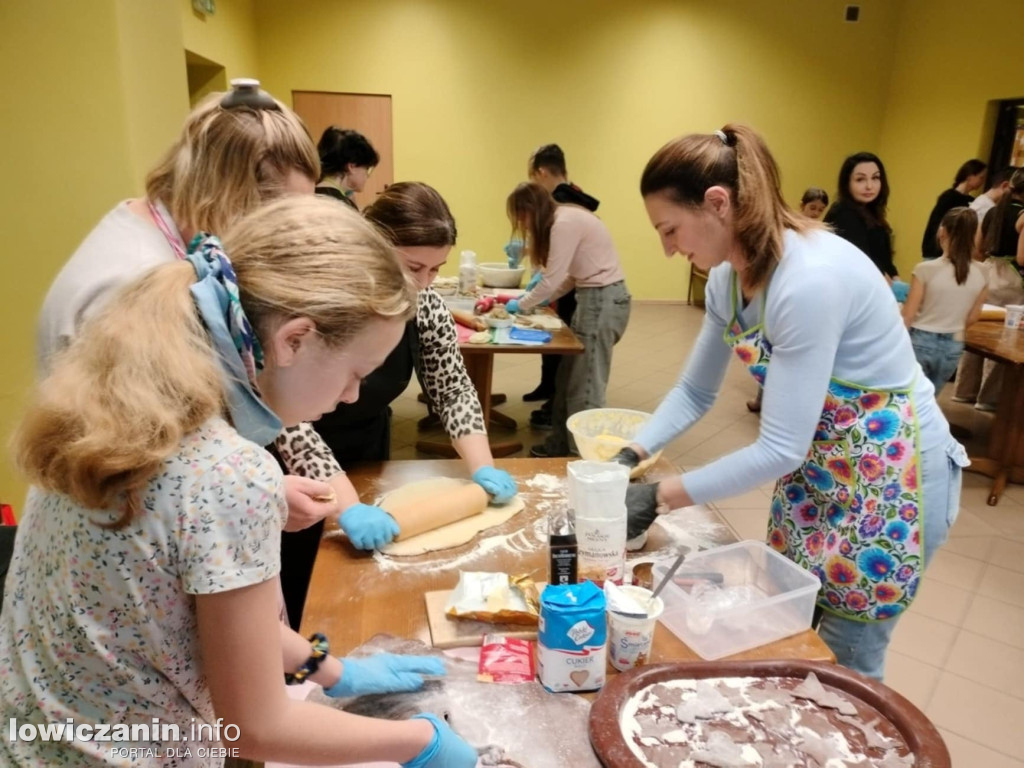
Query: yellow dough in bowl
{"x": 606, "y": 446}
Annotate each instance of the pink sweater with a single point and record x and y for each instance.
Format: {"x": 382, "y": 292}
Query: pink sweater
{"x": 582, "y": 255}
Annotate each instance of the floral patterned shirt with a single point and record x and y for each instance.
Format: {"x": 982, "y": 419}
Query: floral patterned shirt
{"x": 100, "y": 626}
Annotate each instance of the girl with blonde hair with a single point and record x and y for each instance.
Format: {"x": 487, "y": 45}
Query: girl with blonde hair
{"x": 850, "y": 430}
{"x": 236, "y": 151}
{"x": 143, "y": 585}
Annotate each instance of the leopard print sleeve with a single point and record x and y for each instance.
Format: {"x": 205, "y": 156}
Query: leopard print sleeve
{"x": 305, "y": 453}
{"x": 443, "y": 371}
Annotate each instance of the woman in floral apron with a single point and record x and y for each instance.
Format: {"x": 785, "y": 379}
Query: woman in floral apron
{"x": 867, "y": 476}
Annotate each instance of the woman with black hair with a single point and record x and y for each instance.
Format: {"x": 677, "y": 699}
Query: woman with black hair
{"x": 347, "y": 159}
{"x": 858, "y": 214}
{"x": 969, "y": 178}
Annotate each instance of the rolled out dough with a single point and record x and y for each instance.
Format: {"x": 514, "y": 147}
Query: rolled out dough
{"x": 448, "y": 536}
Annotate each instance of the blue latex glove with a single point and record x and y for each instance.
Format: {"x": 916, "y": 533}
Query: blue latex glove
{"x": 514, "y": 251}
{"x": 446, "y": 749}
{"x": 368, "y": 527}
{"x": 497, "y": 482}
{"x": 534, "y": 281}
{"x": 512, "y": 306}
{"x": 901, "y": 290}
{"x": 384, "y": 673}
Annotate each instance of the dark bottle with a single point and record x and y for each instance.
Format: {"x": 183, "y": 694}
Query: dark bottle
{"x": 562, "y": 546}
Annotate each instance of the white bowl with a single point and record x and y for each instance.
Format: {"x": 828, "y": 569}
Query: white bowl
{"x": 499, "y": 322}
{"x": 500, "y": 276}
{"x": 600, "y": 433}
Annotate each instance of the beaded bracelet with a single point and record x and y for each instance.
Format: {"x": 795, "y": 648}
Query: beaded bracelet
{"x": 320, "y": 649}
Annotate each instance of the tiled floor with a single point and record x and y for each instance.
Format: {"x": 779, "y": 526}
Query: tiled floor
{"x": 958, "y": 654}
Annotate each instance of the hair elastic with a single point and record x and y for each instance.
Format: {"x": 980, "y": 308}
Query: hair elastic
{"x": 722, "y": 137}
{"x": 245, "y": 92}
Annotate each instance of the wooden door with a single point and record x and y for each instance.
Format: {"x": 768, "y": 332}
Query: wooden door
{"x": 370, "y": 114}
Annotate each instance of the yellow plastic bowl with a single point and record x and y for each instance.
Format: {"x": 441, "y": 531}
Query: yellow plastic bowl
{"x": 600, "y": 433}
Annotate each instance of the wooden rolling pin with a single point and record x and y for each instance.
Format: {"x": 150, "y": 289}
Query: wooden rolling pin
{"x": 418, "y": 517}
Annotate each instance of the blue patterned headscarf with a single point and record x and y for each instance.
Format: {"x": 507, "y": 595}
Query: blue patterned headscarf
{"x": 215, "y": 294}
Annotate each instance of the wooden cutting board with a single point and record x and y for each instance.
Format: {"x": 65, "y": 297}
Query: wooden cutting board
{"x": 453, "y": 633}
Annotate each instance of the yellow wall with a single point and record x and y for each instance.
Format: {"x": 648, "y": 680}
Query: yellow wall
{"x": 65, "y": 158}
{"x": 952, "y": 58}
{"x": 153, "y": 82}
{"x": 478, "y": 85}
{"x": 228, "y": 37}
{"x": 98, "y": 91}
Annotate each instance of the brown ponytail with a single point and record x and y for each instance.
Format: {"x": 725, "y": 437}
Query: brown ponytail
{"x": 531, "y": 209}
{"x": 995, "y": 222}
{"x": 736, "y": 158}
{"x": 961, "y": 227}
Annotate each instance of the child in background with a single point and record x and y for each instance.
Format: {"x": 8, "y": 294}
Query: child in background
{"x": 981, "y": 381}
{"x": 945, "y": 297}
{"x": 814, "y": 202}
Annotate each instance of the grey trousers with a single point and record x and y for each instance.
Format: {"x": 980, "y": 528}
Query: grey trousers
{"x": 599, "y": 321}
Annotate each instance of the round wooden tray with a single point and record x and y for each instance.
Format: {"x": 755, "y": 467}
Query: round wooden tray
{"x": 610, "y": 745}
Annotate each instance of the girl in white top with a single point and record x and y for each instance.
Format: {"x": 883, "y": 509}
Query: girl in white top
{"x": 143, "y": 586}
{"x": 946, "y": 295}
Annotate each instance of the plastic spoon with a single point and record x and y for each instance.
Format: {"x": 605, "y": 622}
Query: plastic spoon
{"x": 665, "y": 580}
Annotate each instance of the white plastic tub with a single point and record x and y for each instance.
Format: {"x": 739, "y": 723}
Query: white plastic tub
{"x": 496, "y": 275}
{"x": 773, "y": 598}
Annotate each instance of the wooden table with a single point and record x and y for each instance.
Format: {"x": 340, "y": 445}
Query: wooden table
{"x": 353, "y": 597}
{"x": 479, "y": 360}
{"x": 1005, "y": 460}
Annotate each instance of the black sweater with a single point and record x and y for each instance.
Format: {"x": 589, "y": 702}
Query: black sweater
{"x": 876, "y": 241}
{"x": 567, "y": 192}
{"x": 947, "y": 201}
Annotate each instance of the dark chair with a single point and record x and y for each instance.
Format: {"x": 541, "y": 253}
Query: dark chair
{"x": 6, "y": 552}
{"x": 696, "y": 274}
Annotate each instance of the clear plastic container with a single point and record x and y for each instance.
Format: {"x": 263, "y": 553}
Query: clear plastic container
{"x": 1014, "y": 316}
{"x": 467, "y": 273}
{"x": 763, "y": 597}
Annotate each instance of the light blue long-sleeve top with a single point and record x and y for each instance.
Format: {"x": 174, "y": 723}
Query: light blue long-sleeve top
{"x": 829, "y": 314}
